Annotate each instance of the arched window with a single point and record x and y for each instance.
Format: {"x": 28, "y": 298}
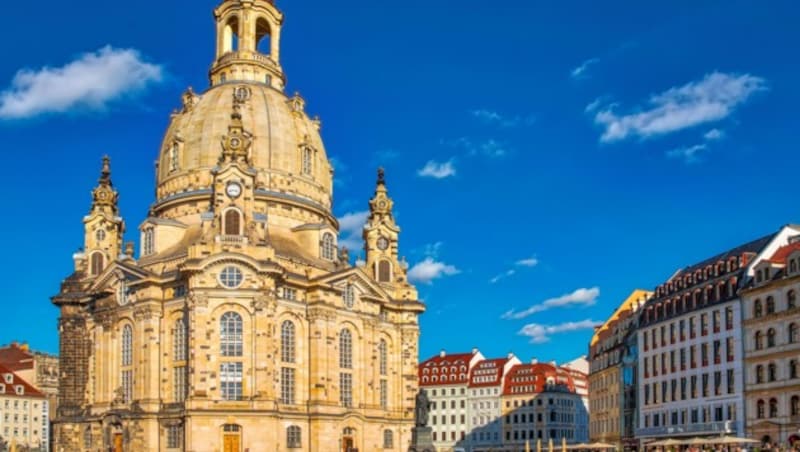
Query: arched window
{"x": 294, "y": 439}
{"x": 773, "y": 408}
{"x": 127, "y": 363}
{"x": 230, "y": 334}
{"x": 759, "y": 374}
{"x": 388, "y": 439}
{"x": 328, "y": 248}
{"x": 757, "y": 312}
{"x": 148, "y": 241}
{"x": 793, "y": 333}
{"x": 232, "y": 223}
{"x": 174, "y": 158}
{"x": 308, "y": 158}
{"x": 179, "y": 340}
{"x": 791, "y": 299}
{"x": 98, "y": 261}
{"x": 771, "y": 337}
{"x": 263, "y": 32}
{"x": 345, "y": 349}
{"x": 230, "y": 36}
{"x": 794, "y": 406}
{"x": 760, "y": 409}
{"x": 384, "y": 271}
{"x": 770, "y": 305}
{"x": 383, "y": 357}
{"x": 349, "y": 295}
{"x": 793, "y": 370}
{"x": 771, "y": 372}
{"x": 287, "y": 342}
{"x": 759, "y": 340}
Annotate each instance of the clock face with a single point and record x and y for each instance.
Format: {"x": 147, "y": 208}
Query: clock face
{"x": 235, "y": 143}
{"x": 383, "y": 243}
{"x": 233, "y": 190}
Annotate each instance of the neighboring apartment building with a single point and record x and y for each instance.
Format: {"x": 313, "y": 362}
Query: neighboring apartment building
{"x": 445, "y": 378}
{"x": 540, "y": 403}
{"x": 480, "y": 404}
{"x": 772, "y": 347}
{"x": 606, "y": 352}
{"x": 24, "y": 419}
{"x": 485, "y": 390}
{"x": 37, "y": 368}
{"x": 690, "y": 351}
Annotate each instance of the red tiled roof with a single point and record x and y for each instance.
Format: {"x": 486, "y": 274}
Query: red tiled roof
{"x": 488, "y": 372}
{"x": 445, "y": 370}
{"x": 532, "y": 378}
{"x": 783, "y": 252}
{"x": 16, "y": 358}
{"x": 11, "y": 388}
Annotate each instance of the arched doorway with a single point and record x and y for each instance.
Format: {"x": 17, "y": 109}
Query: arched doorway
{"x": 349, "y": 440}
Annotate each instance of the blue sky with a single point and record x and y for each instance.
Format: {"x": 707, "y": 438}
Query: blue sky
{"x": 546, "y": 158}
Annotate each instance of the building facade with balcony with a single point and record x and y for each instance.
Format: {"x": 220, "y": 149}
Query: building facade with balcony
{"x": 772, "y": 348}
{"x": 691, "y": 356}
{"x": 606, "y": 352}
{"x": 240, "y": 299}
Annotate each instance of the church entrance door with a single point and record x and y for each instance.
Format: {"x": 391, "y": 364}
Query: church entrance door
{"x": 117, "y": 442}
{"x": 230, "y": 443}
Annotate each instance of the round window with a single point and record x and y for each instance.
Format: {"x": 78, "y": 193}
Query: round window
{"x": 231, "y": 277}
{"x": 101, "y": 235}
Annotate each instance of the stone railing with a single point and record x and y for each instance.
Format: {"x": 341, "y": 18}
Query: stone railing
{"x": 246, "y": 56}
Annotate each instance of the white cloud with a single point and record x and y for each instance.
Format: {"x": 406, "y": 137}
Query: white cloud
{"x": 433, "y": 249}
{"x": 492, "y": 148}
{"x": 493, "y": 117}
{"x": 350, "y": 227}
{"x": 529, "y": 263}
{"x": 688, "y": 154}
{"x": 540, "y": 334}
{"x": 580, "y": 297}
{"x": 580, "y": 71}
{"x": 429, "y": 269}
{"x": 437, "y": 170}
{"x": 711, "y": 99}
{"x": 714, "y": 135}
{"x": 90, "y": 82}
{"x": 488, "y": 148}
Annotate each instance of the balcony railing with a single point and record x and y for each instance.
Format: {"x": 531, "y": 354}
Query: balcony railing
{"x": 236, "y": 240}
{"x": 247, "y": 56}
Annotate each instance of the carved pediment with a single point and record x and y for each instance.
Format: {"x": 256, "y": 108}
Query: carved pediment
{"x": 356, "y": 276}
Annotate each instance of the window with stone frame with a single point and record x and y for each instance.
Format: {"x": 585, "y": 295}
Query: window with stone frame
{"x": 760, "y": 409}
{"x": 383, "y": 360}
{"x": 287, "y": 342}
{"x": 308, "y": 161}
{"x": 97, "y": 263}
{"x": 174, "y": 436}
{"x": 791, "y": 299}
{"x": 231, "y": 330}
{"x": 148, "y": 241}
{"x": 345, "y": 349}
{"x": 346, "y": 389}
{"x": 384, "y": 271}
{"x": 287, "y": 385}
{"x": 793, "y": 333}
{"x": 232, "y": 222}
{"x": 384, "y": 394}
{"x": 230, "y": 378}
{"x": 127, "y": 363}
{"x": 328, "y": 247}
{"x": 388, "y": 439}
{"x": 294, "y": 439}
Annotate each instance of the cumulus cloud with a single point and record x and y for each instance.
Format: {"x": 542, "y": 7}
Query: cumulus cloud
{"x": 580, "y": 72}
{"x": 580, "y": 297}
{"x": 714, "y": 135}
{"x": 437, "y": 170}
{"x": 429, "y": 269}
{"x": 711, "y": 99}
{"x": 489, "y": 148}
{"x": 495, "y": 118}
{"x": 529, "y": 263}
{"x": 350, "y": 227}
{"x": 540, "y": 334}
{"x": 90, "y": 82}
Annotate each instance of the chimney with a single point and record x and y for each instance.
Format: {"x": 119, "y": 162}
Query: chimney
{"x": 475, "y": 350}
{"x": 534, "y": 361}
{"x": 510, "y": 355}
{"x": 442, "y": 354}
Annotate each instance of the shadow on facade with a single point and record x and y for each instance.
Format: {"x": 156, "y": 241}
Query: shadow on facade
{"x": 530, "y": 424}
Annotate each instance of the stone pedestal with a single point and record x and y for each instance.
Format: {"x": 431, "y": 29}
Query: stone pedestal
{"x": 421, "y": 440}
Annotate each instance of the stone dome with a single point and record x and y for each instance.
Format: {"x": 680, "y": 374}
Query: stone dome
{"x": 286, "y": 149}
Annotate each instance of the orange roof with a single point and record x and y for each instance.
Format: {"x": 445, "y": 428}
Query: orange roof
{"x": 783, "y": 252}
{"x": 445, "y": 370}
{"x": 533, "y": 378}
{"x": 16, "y": 357}
{"x": 10, "y": 387}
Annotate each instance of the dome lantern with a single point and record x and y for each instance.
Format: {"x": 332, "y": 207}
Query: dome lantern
{"x": 248, "y": 43}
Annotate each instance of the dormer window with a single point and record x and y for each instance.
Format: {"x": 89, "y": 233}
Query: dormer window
{"x": 148, "y": 241}
{"x": 759, "y": 276}
{"x": 20, "y": 389}
{"x": 793, "y": 266}
{"x": 174, "y": 157}
{"x": 9, "y": 378}
{"x": 328, "y": 248}
{"x": 308, "y": 161}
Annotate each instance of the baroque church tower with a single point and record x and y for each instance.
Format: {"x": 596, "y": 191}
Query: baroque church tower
{"x": 240, "y": 325}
